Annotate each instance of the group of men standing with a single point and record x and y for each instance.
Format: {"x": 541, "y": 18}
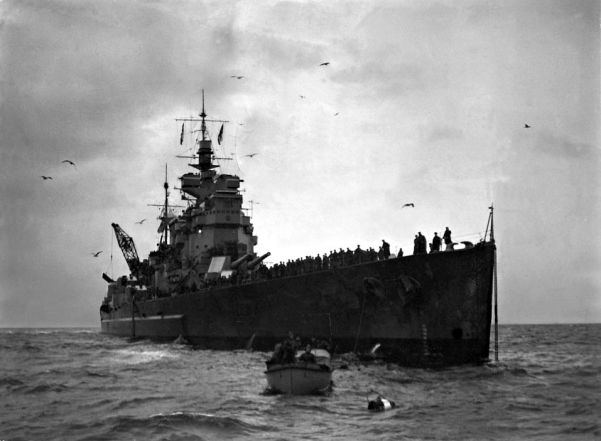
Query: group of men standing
{"x": 420, "y": 242}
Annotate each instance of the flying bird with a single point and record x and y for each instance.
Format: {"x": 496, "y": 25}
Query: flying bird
{"x": 46, "y": 177}
{"x": 69, "y": 162}
{"x": 238, "y": 77}
{"x": 302, "y": 97}
{"x": 337, "y": 113}
{"x": 411, "y": 204}
{"x": 141, "y": 222}
{"x": 526, "y": 126}
{"x": 250, "y": 155}
{"x": 325, "y": 63}
{"x": 96, "y": 254}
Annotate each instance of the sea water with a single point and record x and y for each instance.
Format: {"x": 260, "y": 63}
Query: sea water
{"x": 77, "y": 384}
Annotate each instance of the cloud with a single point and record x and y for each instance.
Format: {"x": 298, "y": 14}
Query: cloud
{"x": 438, "y": 133}
{"x": 377, "y": 80}
{"x": 563, "y": 148}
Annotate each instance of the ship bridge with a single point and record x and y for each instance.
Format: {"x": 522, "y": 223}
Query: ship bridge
{"x": 216, "y": 224}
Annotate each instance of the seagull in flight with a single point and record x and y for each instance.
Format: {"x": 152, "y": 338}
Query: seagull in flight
{"x": 96, "y": 254}
{"x": 68, "y": 162}
{"x": 410, "y": 204}
{"x": 46, "y": 177}
{"x": 526, "y": 126}
{"x": 238, "y": 77}
{"x": 302, "y": 97}
{"x": 325, "y": 63}
{"x": 250, "y": 155}
{"x": 141, "y": 222}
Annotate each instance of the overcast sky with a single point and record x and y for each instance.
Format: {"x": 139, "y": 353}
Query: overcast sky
{"x": 423, "y": 102}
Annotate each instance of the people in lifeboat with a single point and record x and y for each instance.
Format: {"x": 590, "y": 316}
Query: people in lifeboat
{"x": 307, "y": 356}
{"x": 285, "y": 352}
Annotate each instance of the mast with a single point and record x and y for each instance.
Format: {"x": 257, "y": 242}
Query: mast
{"x": 203, "y": 115}
{"x": 164, "y": 213}
{"x": 495, "y": 286}
{"x": 205, "y": 150}
{"x": 165, "y": 210}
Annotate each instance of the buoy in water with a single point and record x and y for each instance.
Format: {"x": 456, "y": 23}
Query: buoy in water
{"x": 380, "y": 404}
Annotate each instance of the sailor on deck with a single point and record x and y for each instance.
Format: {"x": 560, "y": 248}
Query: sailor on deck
{"x": 447, "y": 236}
{"x": 385, "y": 249}
{"x": 436, "y": 242}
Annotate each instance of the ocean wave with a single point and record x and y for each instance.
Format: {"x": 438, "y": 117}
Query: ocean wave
{"x": 11, "y": 382}
{"x": 135, "y": 402}
{"x": 594, "y": 429}
{"x": 91, "y": 373}
{"x": 85, "y": 331}
{"x": 503, "y": 369}
{"x": 196, "y": 424}
{"x": 525, "y": 406}
{"x": 582, "y": 408}
{"x": 30, "y": 347}
{"x": 309, "y": 407}
{"x": 45, "y": 387}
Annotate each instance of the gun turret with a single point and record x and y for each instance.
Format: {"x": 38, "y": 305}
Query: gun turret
{"x": 255, "y": 262}
{"x": 236, "y": 263}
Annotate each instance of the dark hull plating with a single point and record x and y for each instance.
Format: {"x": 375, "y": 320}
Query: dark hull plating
{"x": 432, "y": 309}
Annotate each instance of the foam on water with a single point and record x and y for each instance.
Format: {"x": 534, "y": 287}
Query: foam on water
{"x": 137, "y": 356}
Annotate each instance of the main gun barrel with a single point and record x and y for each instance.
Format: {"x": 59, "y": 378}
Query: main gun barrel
{"x": 236, "y": 263}
{"x": 255, "y": 262}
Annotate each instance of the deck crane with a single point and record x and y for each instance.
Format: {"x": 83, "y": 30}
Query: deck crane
{"x": 126, "y": 243}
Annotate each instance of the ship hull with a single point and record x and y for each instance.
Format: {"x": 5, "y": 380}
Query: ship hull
{"x": 431, "y": 309}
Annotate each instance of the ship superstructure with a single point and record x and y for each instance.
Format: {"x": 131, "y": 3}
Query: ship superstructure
{"x": 211, "y": 240}
{"x": 212, "y": 233}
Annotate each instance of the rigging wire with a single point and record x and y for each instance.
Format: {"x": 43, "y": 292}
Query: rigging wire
{"x": 235, "y": 154}
{"x": 360, "y": 321}
{"x": 110, "y": 264}
{"x": 460, "y": 236}
{"x": 112, "y": 239}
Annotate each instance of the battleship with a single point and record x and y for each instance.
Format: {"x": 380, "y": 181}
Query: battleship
{"x": 206, "y": 285}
